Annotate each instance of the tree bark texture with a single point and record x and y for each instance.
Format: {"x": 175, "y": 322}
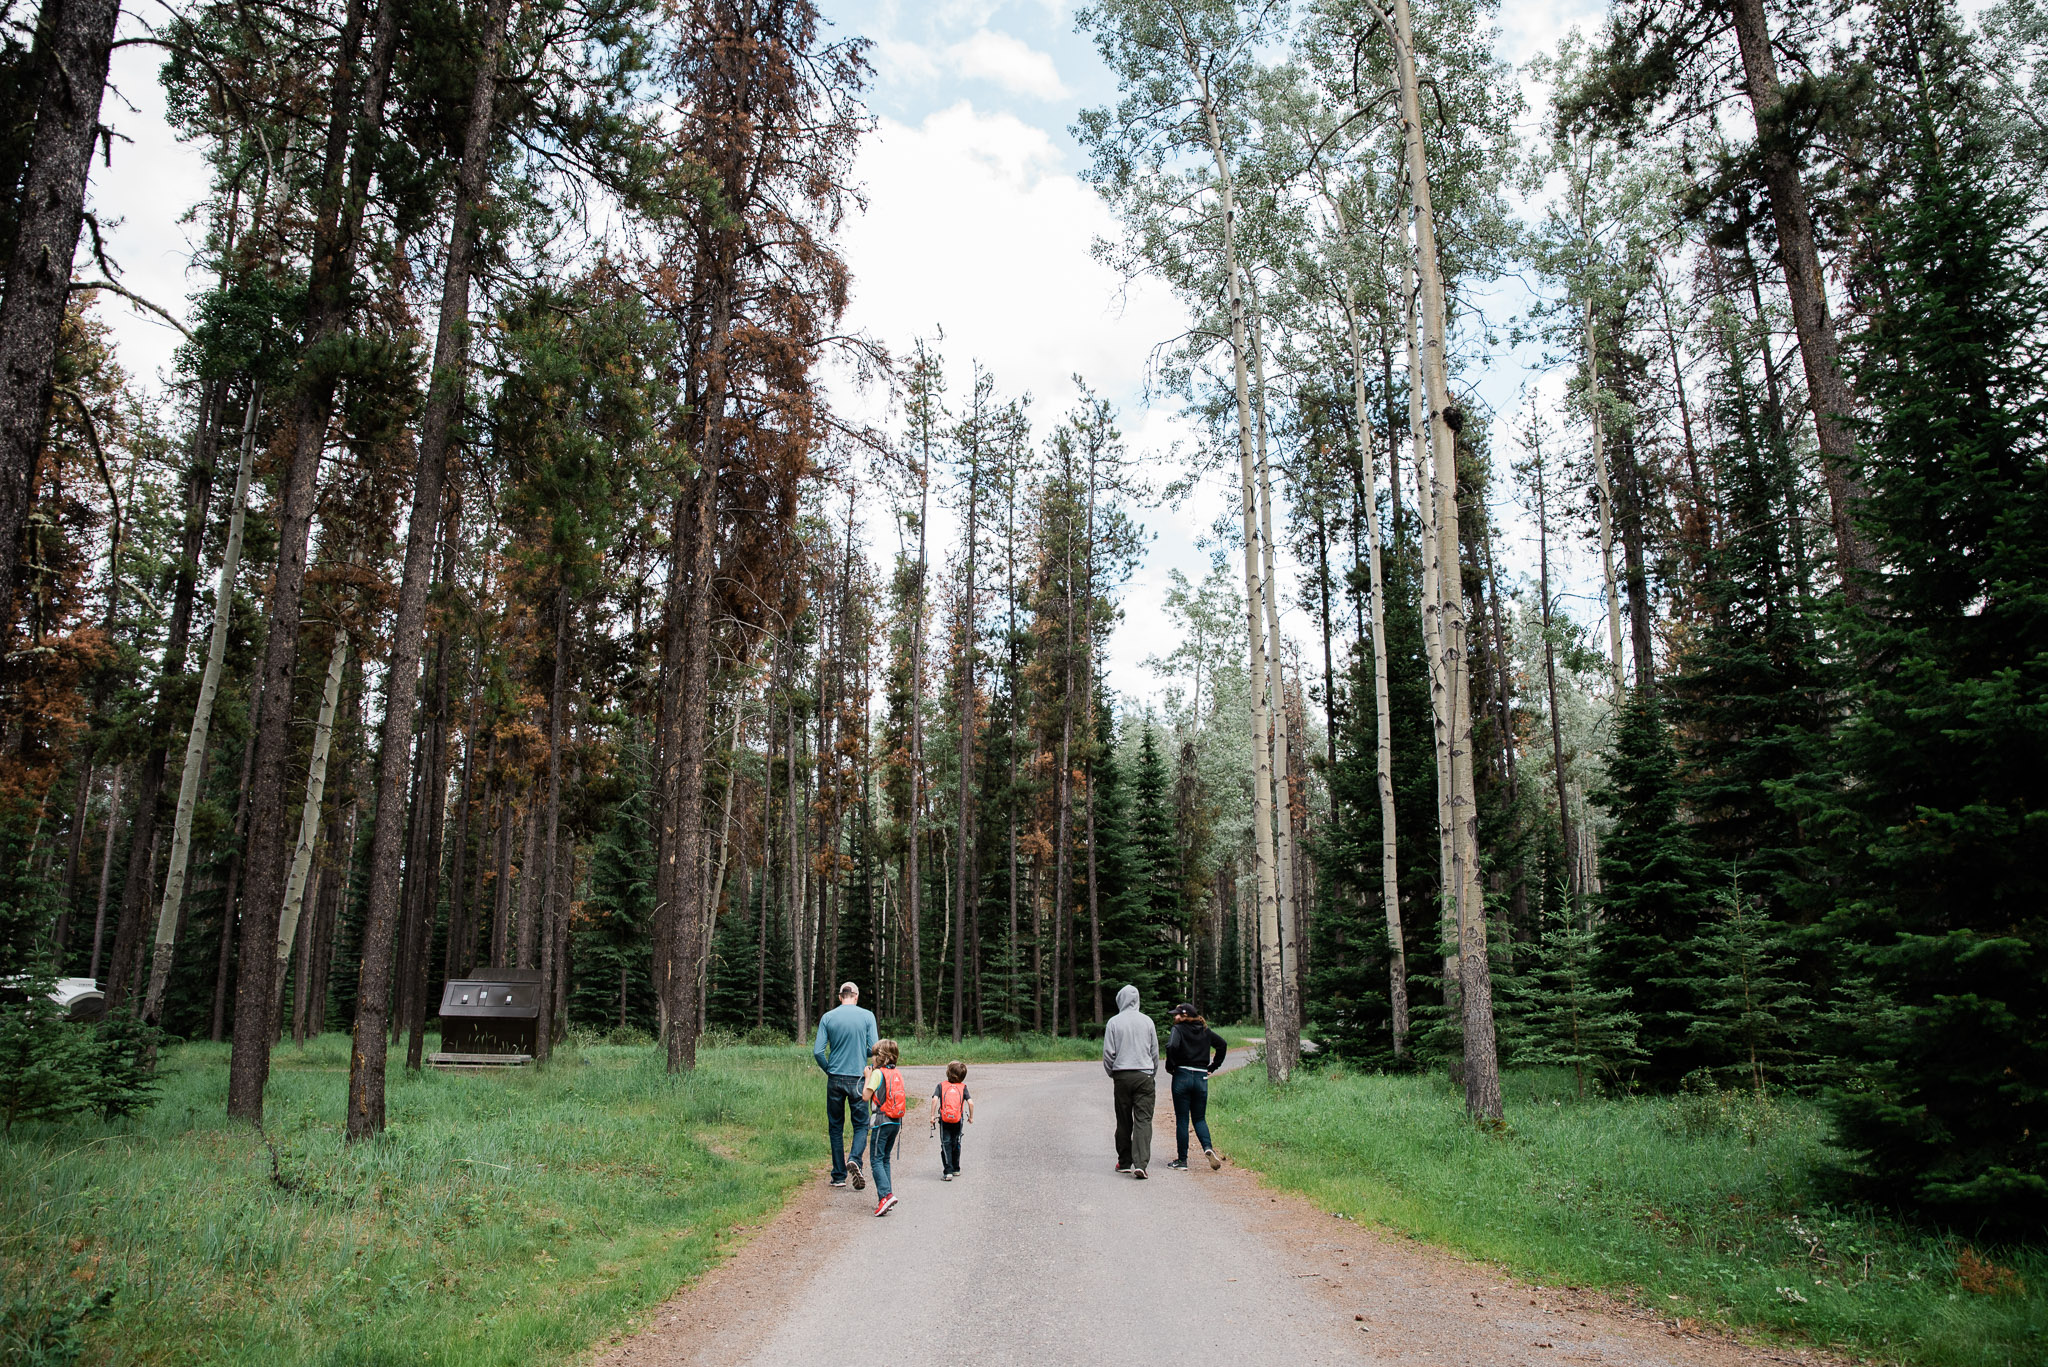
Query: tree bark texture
{"x": 75, "y": 38}
{"x": 437, "y": 428}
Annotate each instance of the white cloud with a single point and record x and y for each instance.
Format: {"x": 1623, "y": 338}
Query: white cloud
{"x": 1010, "y": 63}
{"x": 973, "y": 225}
{"x": 1000, "y": 59}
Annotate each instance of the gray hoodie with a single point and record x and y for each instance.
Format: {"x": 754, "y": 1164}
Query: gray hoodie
{"x": 1130, "y": 1040}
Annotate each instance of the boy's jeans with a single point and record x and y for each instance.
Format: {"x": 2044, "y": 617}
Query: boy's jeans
{"x": 839, "y": 1089}
{"x": 949, "y": 1146}
{"x": 884, "y": 1136}
{"x": 1191, "y": 1102}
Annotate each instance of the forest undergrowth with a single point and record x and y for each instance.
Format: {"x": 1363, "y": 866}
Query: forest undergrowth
{"x": 1705, "y": 1207}
{"x": 501, "y": 1219}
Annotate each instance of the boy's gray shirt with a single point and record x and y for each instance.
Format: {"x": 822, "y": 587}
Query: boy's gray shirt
{"x": 1130, "y": 1040}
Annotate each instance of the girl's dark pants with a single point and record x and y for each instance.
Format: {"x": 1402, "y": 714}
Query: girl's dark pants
{"x": 1190, "y": 1102}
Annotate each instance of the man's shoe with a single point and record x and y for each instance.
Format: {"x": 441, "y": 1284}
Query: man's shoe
{"x": 945, "y": 1177}
{"x": 886, "y": 1204}
{"x": 1123, "y": 1167}
{"x": 1214, "y": 1161}
{"x": 839, "y": 1181}
{"x": 1138, "y": 1173}
{"x": 1179, "y": 1165}
{"x": 859, "y": 1183}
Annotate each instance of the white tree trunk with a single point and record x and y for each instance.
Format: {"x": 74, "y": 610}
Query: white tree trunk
{"x": 1286, "y": 899}
{"x": 1390, "y": 868}
{"x": 309, "y": 814}
{"x": 1482, "y": 1063}
{"x": 1262, "y": 761}
{"x": 202, "y": 721}
{"x": 1606, "y": 489}
{"x": 1432, "y": 635}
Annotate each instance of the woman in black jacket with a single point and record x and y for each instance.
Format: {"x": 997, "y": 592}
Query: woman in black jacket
{"x": 1193, "y": 1051}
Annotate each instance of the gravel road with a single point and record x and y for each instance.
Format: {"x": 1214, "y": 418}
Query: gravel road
{"x": 1040, "y": 1254}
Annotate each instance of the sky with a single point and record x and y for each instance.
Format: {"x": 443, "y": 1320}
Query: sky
{"x": 977, "y": 229}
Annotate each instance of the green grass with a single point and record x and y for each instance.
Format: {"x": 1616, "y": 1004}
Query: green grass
{"x": 1665, "y": 1200}
{"x": 509, "y": 1218}
{"x": 512, "y": 1218}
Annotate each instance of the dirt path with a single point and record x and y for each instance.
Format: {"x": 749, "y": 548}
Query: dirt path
{"x": 1040, "y": 1254}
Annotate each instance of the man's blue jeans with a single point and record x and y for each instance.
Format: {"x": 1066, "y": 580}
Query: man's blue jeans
{"x": 841, "y": 1088}
{"x": 1191, "y": 1102}
{"x": 885, "y": 1142}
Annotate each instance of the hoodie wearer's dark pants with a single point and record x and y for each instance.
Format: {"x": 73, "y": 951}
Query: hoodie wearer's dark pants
{"x": 1136, "y": 1091}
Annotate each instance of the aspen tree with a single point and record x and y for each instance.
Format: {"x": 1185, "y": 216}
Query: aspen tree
{"x": 309, "y": 818}
{"x": 1285, "y": 860}
{"x": 202, "y": 722}
{"x": 1482, "y": 1062}
{"x": 1390, "y": 868}
{"x": 1431, "y": 605}
{"x": 1597, "y": 416}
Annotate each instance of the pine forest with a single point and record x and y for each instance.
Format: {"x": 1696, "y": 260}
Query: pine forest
{"x": 1617, "y": 642}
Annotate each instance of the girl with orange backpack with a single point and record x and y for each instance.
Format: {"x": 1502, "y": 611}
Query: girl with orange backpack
{"x": 883, "y": 1091}
{"x": 951, "y": 1105}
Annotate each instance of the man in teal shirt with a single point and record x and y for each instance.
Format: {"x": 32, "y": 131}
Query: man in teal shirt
{"x": 846, "y": 1036}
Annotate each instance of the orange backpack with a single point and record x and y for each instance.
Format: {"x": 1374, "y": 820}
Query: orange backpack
{"x": 951, "y": 1097}
{"x": 890, "y": 1097}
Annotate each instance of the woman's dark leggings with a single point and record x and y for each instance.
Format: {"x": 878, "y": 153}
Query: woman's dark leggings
{"x": 1190, "y": 1102}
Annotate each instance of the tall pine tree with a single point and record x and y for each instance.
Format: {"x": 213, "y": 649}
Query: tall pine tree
{"x": 1939, "y": 830}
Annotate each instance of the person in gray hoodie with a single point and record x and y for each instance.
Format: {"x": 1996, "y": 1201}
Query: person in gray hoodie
{"x": 1130, "y": 1055}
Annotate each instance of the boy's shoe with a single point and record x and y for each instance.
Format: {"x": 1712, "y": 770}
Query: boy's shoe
{"x": 1138, "y": 1173}
{"x": 1214, "y": 1161}
{"x": 1123, "y": 1167}
{"x": 859, "y": 1183}
{"x": 1179, "y": 1165}
{"x": 886, "y": 1204}
{"x": 839, "y": 1181}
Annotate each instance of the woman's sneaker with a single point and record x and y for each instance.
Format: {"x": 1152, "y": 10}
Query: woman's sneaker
{"x": 1179, "y": 1165}
{"x": 1214, "y": 1161}
{"x": 886, "y": 1204}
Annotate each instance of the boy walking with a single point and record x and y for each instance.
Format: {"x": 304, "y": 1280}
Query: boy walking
{"x": 951, "y": 1106}
{"x": 883, "y": 1091}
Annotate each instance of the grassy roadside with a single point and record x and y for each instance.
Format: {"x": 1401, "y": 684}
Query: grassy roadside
{"x": 1694, "y": 1207}
{"x": 504, "y": 1219}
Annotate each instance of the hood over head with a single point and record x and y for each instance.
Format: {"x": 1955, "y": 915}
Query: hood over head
{"x": 1126, "y": 997}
